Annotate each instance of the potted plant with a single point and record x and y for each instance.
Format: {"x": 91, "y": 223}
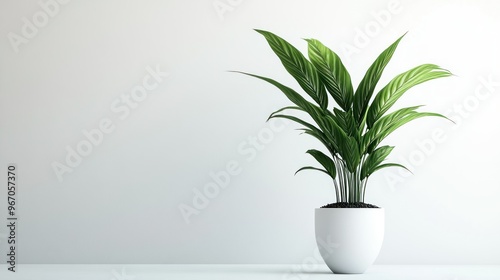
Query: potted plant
{"x": 349, "y": 232}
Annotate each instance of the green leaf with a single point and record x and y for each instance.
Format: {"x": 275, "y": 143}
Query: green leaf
{"x": 399, "y": 85}
{"x": 295, "y": 119}
{"x": 389, "y": 123}
{"x": 384, "y": 123}
{"x": 310, "y": 128}
{"x": 340, "y": 118}
{"x": 346, "y": 121}
{"x": 365, "y": 89}
{"x": 325, "y": 161}
{"x": 283, "y": 109}
{"x": 374, "y": 160}
{"x": 390, "y": 165}
{"x": 322, "y": 138}
{"x": 334, "y": 133}
{"x": 323, "y": 118}
{"x": 291, "y": 94}
{"x": 350, "y": 153}
{"x": 299, "y": 67}
{"x": 332, "y": 72}
{"x": 311, "y": 168}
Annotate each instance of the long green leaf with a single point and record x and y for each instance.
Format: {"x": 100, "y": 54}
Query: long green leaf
{"x": 283, "y": 109}
{"x": 299, "y": 67}
{"x": 322, "y": 138}
{"x": 311, "y": 168}
{"x": 399, "y": 85}
{"x": 382, "y": 129}
{"x": 365, "y": 89}
{"x": 291, "y": 94}
{"x": 384, "y": 123}
{"x": 297, "y": 120}
{"x": 317, "y": 113}
{"x": 323, "y": 118}
{"x": 350, "y": 153}
{"x": 390, "y": 165}
{"x": 346, "y": 122}
{"x": 374, "y": 159}
{"x": 325, "y": 161}
{"x": 334, "y": 133}
{"x": 332, "y": 72}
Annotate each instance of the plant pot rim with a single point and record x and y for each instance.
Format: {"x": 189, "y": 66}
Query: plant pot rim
{"x": 364, "y": 208}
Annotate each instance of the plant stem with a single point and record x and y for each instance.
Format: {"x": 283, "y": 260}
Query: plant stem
{"x": 336, "y": 190}
{"x": 364, "y": 189}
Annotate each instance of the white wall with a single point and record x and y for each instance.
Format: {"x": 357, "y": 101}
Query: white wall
{"x": 120, "y": 204}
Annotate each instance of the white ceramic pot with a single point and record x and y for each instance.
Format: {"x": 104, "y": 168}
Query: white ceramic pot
{"x": 349, "y": 239}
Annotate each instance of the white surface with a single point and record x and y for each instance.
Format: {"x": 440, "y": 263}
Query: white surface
{"x": 121, "y": 204}
{"x": 250, "y": 272}
{"x": 349, "y": 240}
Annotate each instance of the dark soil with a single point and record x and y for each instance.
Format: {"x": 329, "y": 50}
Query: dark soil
{"x": 349, "y": 205}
